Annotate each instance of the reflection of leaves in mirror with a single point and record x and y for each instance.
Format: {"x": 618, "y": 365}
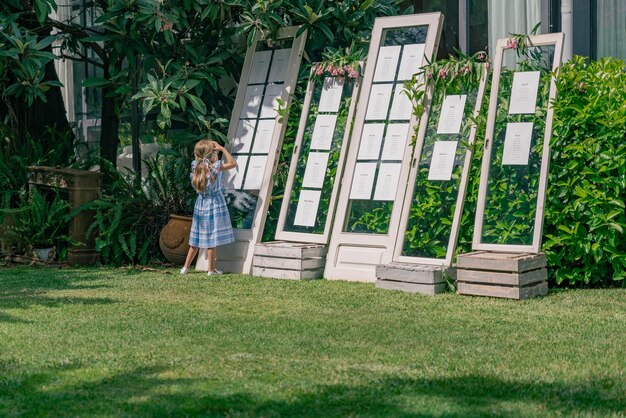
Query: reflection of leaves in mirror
{"x": 333, "y": 160}
{"x": 512, "y": 190}
{"x": 371, "y": 216}
{"x": 405, "y": 36}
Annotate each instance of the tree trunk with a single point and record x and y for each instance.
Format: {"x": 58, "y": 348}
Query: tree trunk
{"x": 109, "y": 130}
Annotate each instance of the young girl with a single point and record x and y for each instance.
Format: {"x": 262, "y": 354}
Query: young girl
{"x": 210, "y": 226}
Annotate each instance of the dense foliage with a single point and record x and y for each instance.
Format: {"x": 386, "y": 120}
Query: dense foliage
{"x": 585, "y": 219}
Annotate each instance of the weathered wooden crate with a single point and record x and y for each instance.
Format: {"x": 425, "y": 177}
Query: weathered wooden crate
{"x": 502, "y": 275}
{"x": 289, "y": 260}
{"x": 415, "y": 278}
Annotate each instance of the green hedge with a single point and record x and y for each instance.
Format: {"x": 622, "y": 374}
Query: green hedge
{"x": 584, "y": 236}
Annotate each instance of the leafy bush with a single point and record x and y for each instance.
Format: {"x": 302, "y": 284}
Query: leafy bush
{"x": 585, "y": 215}
{"x": 39, "y": 223}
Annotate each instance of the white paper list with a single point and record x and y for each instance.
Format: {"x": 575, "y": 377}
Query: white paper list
{"x": 280, "y": 64}
{"x": 371, "y": 140}
{"x": 401, "y": 107}
{"x": 442, "y": 161}
{"x": 524, "y": 92}
{"x": 323, "y": 132}
{"x": 260, "y": 65}
{"x": 252, "y": 101}
{"x": 256, "y": 169}
{"x": 412, "y": 56}
{"x": 378, "y": 104}
{"x": 387, "y": 182}
{"x": 234, "y": 178}
{"x": 308, "y": 204}
{"x": 387, "y": 63}
{"x": 362, "y": 181}
{"x": 395, "y": 141}
{"x": 270, "y": 105}
{"x": 517, "y": 143}
{"x": 330, "y": 99}
{"x": 243, "y": 137}
{"x": 315, "y": 170}
{"x": 263, "y": 138}
{"x": 451, "y": 116}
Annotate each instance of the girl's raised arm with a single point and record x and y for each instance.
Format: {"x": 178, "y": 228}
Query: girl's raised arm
{"x": 230, "y": 161}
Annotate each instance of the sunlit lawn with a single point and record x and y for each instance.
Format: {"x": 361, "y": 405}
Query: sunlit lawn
{"x": 115, "y": 342}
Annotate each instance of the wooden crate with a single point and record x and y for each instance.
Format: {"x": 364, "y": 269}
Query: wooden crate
{"x": 414, "y": 278}
{"x": 289, "y": 260}
{"x": 502, "y": 275}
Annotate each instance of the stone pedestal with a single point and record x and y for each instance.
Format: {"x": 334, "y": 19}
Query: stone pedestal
{"x": 502, "y": 275}
{"x": 78, "y": 187}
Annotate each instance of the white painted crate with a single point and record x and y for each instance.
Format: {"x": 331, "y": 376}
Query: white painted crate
{"x": 289, "y": 260}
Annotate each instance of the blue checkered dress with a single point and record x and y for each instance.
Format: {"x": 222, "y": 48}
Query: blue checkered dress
{"x": 211, "y": 226}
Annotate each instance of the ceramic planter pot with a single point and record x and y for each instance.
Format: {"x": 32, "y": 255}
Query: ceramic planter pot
{"x": 45, "y": 254}
{"x": 174, "y": 239}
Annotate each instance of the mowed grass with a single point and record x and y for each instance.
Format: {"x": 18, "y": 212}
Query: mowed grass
{"x": 117, "y": 342}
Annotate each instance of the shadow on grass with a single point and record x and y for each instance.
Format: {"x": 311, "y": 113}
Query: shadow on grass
{"x": 147, "y": 392}
{"x": 25, "y": 287}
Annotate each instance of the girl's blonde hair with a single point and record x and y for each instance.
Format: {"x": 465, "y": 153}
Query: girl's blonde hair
{"x": 204, "y": 167}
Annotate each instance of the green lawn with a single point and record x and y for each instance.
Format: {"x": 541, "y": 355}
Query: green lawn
{"x": 115, "y": 342}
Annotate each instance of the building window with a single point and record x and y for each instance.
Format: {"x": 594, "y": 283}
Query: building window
{"x": 610, "y": 28}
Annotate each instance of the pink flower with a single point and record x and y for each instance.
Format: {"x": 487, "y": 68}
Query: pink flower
{"x": 443, "y": 73}
{"x": 429, "y": 75}
{"x": 342, "y": 71}
{"x": 511, "y": 43}
{"x": 582, "y": 88}
{"x": 481, "y": 56}
{"x": 466, "y": 69}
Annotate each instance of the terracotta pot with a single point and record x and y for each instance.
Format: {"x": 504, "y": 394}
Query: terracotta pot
{"x": 174, "y": 239}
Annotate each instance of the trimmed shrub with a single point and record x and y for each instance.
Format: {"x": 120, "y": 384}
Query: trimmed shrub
{"x": 584, "y": 237}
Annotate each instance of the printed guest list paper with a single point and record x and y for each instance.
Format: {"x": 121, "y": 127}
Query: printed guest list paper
{"x": 263, "y": 138}
{"x": 371, "y": 140}
{"x": 280, "y": 64}
{"x": 308, "y": 204}
{"x": 412, "y": 56}
{"x": 315, "y": 170}
{"x": 401, "y": 108}
{"x": 395, "y": 140}
{"x": 256, "y": 169}
{"x": 323, "y": 131}
{"x": 252, "y": 101}
{"x": 260, "y": 65}
{"x": 451, "y": 115}
{"x": 387, "y": 183}
{"x": 234, "y": 177}
{"x": 517, "y": 143}
{"x": 524, "y": 92}
{"x": 387, "y": 63}
{"x": 442, "y": 161}
{"x": 377, "y": 107}
{"x": 363, "y": 181}
{"x": 330, "y": 98}
{"x": 243, "y": 137}
{"x": 270, "y": 105}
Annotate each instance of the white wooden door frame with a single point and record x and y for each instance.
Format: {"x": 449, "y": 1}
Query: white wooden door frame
{"x": 407, "y": 198}
{"x": 354, "y": 256}
{"x": 281, "y": 233}
{"x": 555, "y": 39}
{"x": 237, "y": 257}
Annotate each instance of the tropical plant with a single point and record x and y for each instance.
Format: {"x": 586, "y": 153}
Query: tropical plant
{"x": 39, "y": 222}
